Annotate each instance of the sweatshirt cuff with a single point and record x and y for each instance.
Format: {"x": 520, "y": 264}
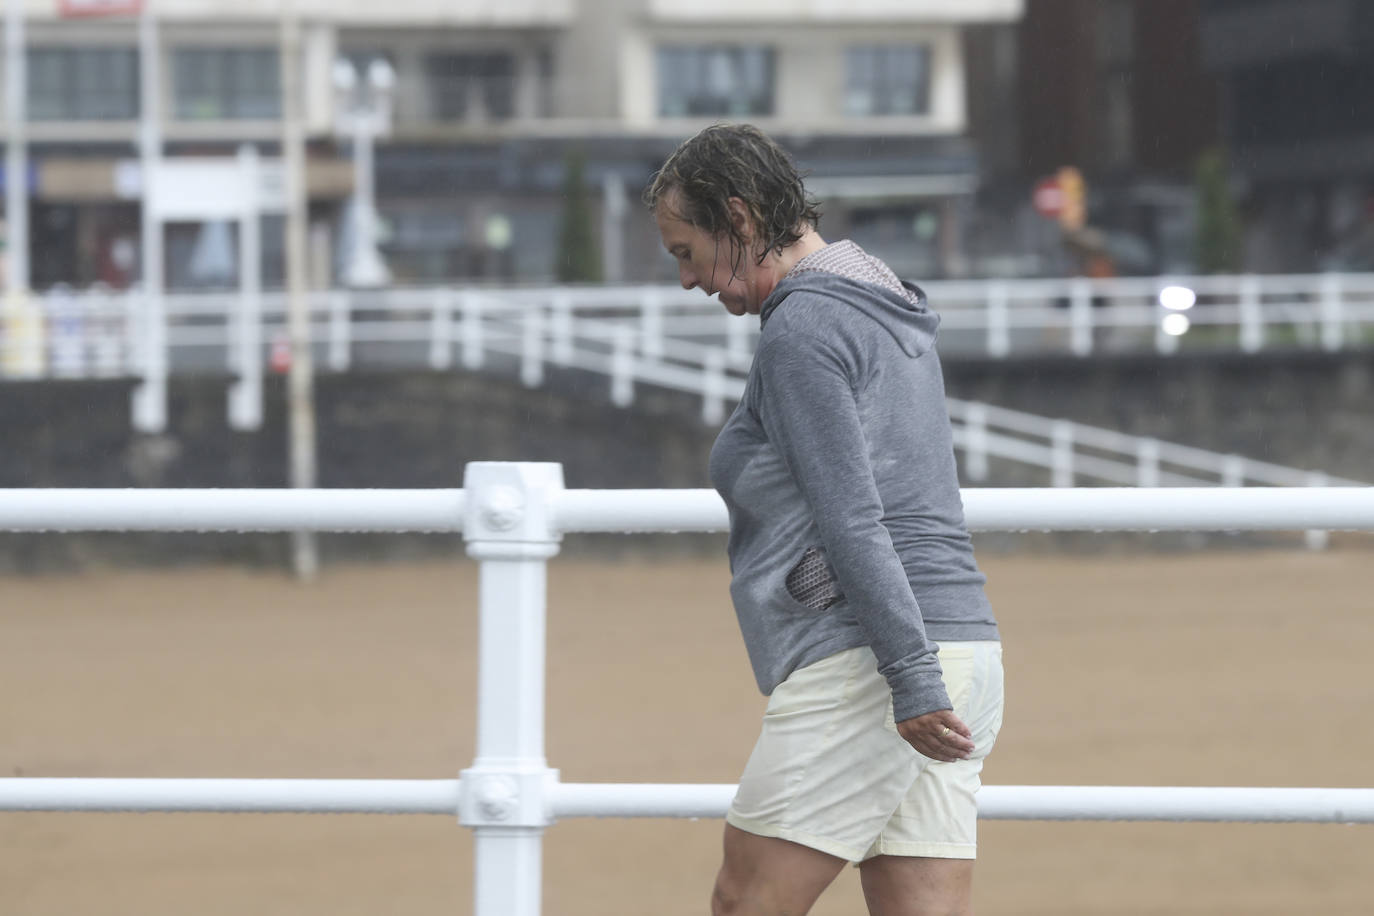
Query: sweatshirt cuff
{"x": 918, "y": 693}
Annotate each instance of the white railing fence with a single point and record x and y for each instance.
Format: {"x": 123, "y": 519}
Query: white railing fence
{"x": 1077, "y": 451}
{"x": 654, "y": 335}
{"x": 512, "y": 517}
{"x": 664, "y": 337}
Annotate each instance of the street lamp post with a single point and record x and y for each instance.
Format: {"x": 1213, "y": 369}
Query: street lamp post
{"x": 362, "y": 110}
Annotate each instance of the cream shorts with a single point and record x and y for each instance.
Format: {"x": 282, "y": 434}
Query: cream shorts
{"x": 830, "y": 772}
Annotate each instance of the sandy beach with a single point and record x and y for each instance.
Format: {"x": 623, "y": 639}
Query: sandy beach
{"x": 1218, "y": 668}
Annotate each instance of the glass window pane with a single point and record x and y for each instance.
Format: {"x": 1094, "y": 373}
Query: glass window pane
{"x": 457, "y": 81}
{"x": 887, "y": 80}
{"x": 709, "y": 80}
{"x": 226, "y": 83}
{"x": 82, "y": 83}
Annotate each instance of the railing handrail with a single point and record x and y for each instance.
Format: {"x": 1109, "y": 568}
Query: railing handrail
{"x": 441, "y": 796}
{"x": 698, "y": 510}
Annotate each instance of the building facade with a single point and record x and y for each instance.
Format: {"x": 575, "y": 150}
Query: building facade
{"x": 491, "y": 100}
{"x": 1296, "y": 83}
{"x": 1115, "y": 89}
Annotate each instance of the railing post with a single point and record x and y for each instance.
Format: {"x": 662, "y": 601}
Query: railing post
{"x": 149, "y": 405}
{"x": 561, "y": 326}
{"x": 1251, "y": 318}
{"x": 245, "y": 395}
{"x": 622, "y": 367}
{"x": 976, "y": 441}
{"x": 1147, "y": 462}
{"x": 736, "y": 337}
{"x": 1080, "y": 317}
{"x": 1332, "y": 313}
{"x": 68, "y": 331}
{"x": 340, "y": 313}
{"x": 713, "y": 387}
{"x": 504, "y": 796}
{"x": 441, "y": 331}
{"x": 1233, "y": 471}
{"x": 651, "y": 324}
{"x": 474, "y": 351}
{"x": 532, "y": 347}
{"x": 1316, "y": 538}
{"x": 107, "y": 325}
{"x": 131, "y": 330}
{"x": 999, "y": 320}
{"x": 1166, "y": 344}
{"x": 1061, "y": 453}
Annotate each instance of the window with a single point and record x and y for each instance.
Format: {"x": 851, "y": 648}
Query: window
{"x": 214, "y": 84}
{"x": 887, "y": 80}
{"x": 83, "y": 84}
{"x": 471, "y": 85}
{"x": 710, "y": 80}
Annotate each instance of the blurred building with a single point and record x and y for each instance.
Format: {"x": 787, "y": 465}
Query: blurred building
{"x": 1116, "y": 89}
{"x": 491, "y": 96}
{"x": 1297, "y": 80}
{"x": 1133, "y": 92}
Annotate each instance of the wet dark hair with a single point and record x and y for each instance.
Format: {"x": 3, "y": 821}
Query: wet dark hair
{"x": 736, "y": 160}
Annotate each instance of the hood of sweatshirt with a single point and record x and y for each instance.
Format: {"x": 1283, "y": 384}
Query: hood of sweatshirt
{"x": 905, "y": 316}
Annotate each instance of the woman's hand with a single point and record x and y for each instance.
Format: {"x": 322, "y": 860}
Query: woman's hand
{"x": 940, "y": 735}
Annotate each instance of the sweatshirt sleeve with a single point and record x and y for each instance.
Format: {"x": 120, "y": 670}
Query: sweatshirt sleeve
{"x": 808, "y": 409}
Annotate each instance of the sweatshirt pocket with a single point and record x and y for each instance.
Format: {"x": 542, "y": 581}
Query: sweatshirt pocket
{"x": 811, "y": 582}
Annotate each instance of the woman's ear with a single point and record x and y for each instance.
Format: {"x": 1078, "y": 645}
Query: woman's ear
{"x": 740, "y": 220}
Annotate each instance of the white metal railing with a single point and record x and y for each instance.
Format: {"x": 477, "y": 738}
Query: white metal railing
{"x": 651, "y": 334}
{"x": 675, "y": 339}
{"x": 512, "y": 516}
{"x": 442, "y": 796}
{"x": 1071, "y": 451}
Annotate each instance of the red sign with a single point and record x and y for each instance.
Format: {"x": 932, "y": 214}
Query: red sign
{"x": 1048, "y": 198}
{"x": 1061, "y": 197}
{"x": 89, "y": 9}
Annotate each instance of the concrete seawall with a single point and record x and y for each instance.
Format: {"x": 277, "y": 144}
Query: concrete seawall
{"x": 418, "y": 429}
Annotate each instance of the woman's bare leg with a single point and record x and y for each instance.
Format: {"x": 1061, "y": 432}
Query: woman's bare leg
{"x": 918, "y": 886}
{"x": 765, "y": 876}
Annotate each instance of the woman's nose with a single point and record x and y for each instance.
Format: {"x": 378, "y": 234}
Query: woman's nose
{"x": 686, "y": 277}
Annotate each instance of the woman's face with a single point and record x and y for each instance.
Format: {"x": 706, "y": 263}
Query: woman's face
{"x": 704, "y": 261}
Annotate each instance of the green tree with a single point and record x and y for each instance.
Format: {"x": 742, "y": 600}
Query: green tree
{"x": 1218, "y": 219}
{"x": 579, "y": 255}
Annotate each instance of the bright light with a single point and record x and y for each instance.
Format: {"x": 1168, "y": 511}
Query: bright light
{"x": 1177, "y": 298}
{"x": 1175, "y": 325}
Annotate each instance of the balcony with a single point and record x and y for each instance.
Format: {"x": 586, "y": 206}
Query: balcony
{"x": 490, "y": 13}
{"x": 829, "y": 11}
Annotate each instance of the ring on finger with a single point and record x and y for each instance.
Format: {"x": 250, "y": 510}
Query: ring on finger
{"x": 944, "y": 731}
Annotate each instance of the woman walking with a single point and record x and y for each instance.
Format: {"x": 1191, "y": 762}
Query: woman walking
{"x": 853, "y": 575}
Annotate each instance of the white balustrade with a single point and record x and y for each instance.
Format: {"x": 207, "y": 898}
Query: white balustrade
{"x": 340, "y": 327}
{"x": 474, "y": 350}
{"x": 713, "y": 387}
{"x": 622, "y": 366}
{"x": 1080, "y": 317}
{"x": 561, "y": 327}
{"x": 1061, "y": 453}
{"x": 513, "y": 517}
{"x": 1147, "y": 462}
{"x": 532, "y": 347}
{"x": 998, "y": 320}
{"x": 1331, "y": 305}
{"x": 441, "y": 331}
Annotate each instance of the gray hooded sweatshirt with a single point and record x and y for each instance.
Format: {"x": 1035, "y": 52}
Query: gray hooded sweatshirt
{"x": 837, "y": 467}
